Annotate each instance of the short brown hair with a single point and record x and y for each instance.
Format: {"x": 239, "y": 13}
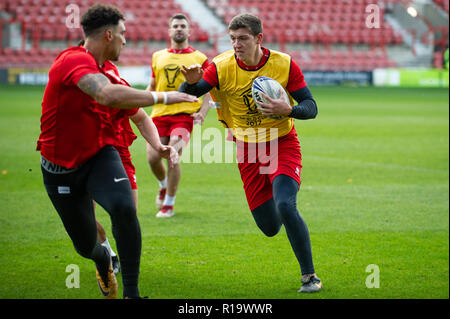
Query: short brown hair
{"x": 248, "y": 21}
{"x": 178, "y": 16}
{"x": 98, "y": 16}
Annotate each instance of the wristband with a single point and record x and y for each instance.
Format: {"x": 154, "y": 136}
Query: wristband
{"x": 155, "y": 97}
{"x": 164, "y": 97}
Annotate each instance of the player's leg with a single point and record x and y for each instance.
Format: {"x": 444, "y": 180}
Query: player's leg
{"x": 282, "y": 210}
{"x": 131, "y": 173}
{"x": 79, "y": 222}
{"x": 101, "y": 234}
{"x": 158, "y": 169}
{"x": 109, "y": 186}
{"x": 267, "y": 218}
{"x": 174, "y": 173}
{"x": 103, "y": 240}
{"x": 134, "y": 193}
{"x": 155, "y": 161}
{"x": 180, "y": 130}
{"x": 75, "y": 208}
{"x": 258, "y": 191}
{"x": 285, "y": 190}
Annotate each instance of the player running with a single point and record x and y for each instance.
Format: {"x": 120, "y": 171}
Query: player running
{"x": 271, "y": 194}
{"x": 78, "y": 158}
{"x": 174, "y": 122}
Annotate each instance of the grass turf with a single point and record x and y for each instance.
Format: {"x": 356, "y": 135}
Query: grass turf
{"x": 375, "y": 190}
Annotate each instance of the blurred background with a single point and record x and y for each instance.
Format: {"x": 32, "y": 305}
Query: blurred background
{"x": 365, "y": 42}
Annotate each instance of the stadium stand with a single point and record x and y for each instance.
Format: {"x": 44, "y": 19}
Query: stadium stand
{"x": 322, "y": 23}
{"x": 444, "y": 4}
{"x": 335, "y": 32}
{"x": 44, "y": 21}
{"x": 311, "y": 21}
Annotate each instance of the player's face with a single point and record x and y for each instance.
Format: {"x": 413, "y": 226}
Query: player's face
{"x": 179, "y": 30}
{"x": 244, "y": 43}
{"x": 118, "y": 40}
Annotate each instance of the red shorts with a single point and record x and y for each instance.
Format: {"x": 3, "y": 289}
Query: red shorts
{"x": 260, "y": 163}
{"x": 179, "y": 125}
{"x": 125, "y": 156}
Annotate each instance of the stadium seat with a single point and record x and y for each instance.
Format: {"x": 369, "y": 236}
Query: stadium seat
{"x": 291, "y": 21}
{"x": 50, "y": 15}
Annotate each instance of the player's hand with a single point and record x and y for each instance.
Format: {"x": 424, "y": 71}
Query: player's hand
{"x": 199, "y": 117}
{"x": 277, "y": 107}
{"x": 193, "y": 73}
{"x": 178, "y": 97}
{"x": 169, "y": 153}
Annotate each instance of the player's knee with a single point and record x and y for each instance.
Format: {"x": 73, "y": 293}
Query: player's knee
{"x": 123, "y": 210}
{"x": 286, "y": 207}
{"x": 84, "y": 249}
{"x": 267, "y": 218}
{"x": 271, "y": 230}
{"x": 153, "y": 158}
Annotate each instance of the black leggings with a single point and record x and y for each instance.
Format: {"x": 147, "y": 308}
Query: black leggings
{"x": 103, "y": 179}
{"x": 282, "y": 210}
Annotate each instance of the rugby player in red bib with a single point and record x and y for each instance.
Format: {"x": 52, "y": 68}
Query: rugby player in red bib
{"x": 271, "y": 179}
{"x": 79, "y": 132}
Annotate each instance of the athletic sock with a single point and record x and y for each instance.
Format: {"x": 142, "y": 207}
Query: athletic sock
{"x": 169, "y": 200}
{"x": 163, "y": 183}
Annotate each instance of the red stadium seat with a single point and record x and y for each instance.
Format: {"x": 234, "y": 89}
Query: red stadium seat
{"x": 292, "y": 21}
{"x": 51, "y": 13}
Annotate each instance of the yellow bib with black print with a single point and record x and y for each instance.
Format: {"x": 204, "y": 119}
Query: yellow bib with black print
{"x": 167, "y": 68}
{"x": 234, "y": 95}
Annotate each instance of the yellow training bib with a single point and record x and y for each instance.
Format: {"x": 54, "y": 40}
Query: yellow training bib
{"x": 166, "y": 66}
{"x": 237, "y": 109}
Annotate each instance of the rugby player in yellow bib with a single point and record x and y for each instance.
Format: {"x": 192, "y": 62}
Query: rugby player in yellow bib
{"x": 271, "y": 194}
{"x": 174, "y": 122}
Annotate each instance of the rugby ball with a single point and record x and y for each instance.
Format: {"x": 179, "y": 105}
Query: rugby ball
{"x": 271, "y": 88}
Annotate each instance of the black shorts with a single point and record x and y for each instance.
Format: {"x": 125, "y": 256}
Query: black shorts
{"x": 104, "y": 172}
{"x": 103, "y": 179}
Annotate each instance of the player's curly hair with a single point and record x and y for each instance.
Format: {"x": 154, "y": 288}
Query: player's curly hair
{"x": 247, "y": 21}
{"x": 98, "y": 16}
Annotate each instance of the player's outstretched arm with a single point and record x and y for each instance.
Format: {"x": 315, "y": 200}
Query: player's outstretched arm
{"x": 104, "y": 92}
{"x": 148, "y": 130}
{"x": 199, "y": 116}
{"x": 194, "y": 83}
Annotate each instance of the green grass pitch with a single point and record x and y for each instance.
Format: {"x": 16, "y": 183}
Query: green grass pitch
{"x": 375, "y": 191}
